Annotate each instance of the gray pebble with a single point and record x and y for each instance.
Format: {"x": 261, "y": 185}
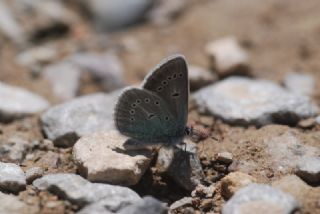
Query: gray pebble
{"x": 15, "y": 149}
{"x": 148, "y": 205}
{"x": 224, "y": 157}
{"x": 79, "y": 191}
{"x": 34, "y": 173}
{"x": 257, "y": 197}
{"x": 244, "y": 101}
{"x": 308, "y": 168}
{"x": 299, "y": 83}
{"x": 65, "y": 123}
{"x": 11, "y": 204}
{"x": 16, "y": 102}
{"x": 12, "y": 178}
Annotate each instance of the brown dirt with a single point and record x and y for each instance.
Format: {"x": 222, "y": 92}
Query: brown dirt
{"x": 279, "y": 36}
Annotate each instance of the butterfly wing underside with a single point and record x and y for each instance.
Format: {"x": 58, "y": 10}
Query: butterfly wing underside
{"x": 169, "y": 80}
{"x": 144, "y": 116}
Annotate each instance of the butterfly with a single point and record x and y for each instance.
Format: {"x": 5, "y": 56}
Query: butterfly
{"x": 157, "y": 112}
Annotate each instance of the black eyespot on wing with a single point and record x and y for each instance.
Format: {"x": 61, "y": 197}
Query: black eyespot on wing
{"x": 180, "y": 74}
{"x": 133, "y": 105}
{"x": 132, "y": 111}
{"x": 174, "y": 76}
{"x": 146, "y": 100}
{"x": 138, "y": 101}
{"x": 156, "y": 102}
{"x": 176, "y": 94}
{"x": 159, "y": 88}
{"x": 169, "y": 78}
{"x": 164, "y": 82}
{"x": 166, "y": 118}
{"x": 131, "y": 119}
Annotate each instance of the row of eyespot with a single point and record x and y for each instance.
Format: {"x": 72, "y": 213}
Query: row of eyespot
{"x": 164, "y": 82}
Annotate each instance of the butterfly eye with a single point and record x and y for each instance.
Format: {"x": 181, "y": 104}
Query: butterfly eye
{"x": 133, "y": 105}
{"x": 157, "y": 103}
{"x": 180, "y": 75}
{"x": 159, "y": 88}
{"x": 147, "y": 100}
{"x": 164, "y": 82}
{"x": 138, "y": 101}
{"x": 174, "y": 76}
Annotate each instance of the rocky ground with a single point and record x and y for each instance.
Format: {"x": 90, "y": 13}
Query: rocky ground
{"x": 254, "y": 71}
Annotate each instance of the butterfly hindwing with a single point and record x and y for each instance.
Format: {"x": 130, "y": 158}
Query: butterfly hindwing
{"x": 144, "y": 116}
{"x": 169, "y": 80}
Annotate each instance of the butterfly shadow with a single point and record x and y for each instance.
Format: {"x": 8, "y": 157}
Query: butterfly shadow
{"x": 134, "y": 148}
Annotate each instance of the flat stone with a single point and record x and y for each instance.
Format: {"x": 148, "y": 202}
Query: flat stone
{"x": 228, "y": 57}
{"x": 244, "y": 101}
{"x": 200, "y": 77}
{"x": 183, "y": 202}
{"x": 106, "y": 68}
{"x": 182, "y": 165}
{"x": 11, "y": 204}
{"x": 79, "y": 191}
{"x": 148, "y": 205}
{"x": 34, "y": 173}
{"x": 308, "y": 168}
{"x": 17, "y": 102}
{"x": 102, "y": 157}
{"x": 65, "y": 123}
{"x": 299, "y": 83}
{"x": 12, "y": 178}
{"x": 233, "y": 182}
{"x": 256, "y": 197}
{"x": 64, "y": 79}
{"x": 224, "y": 157}
{"x": 113, "y": 14}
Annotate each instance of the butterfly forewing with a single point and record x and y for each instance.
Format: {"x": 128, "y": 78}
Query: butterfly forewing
{"x": 144, "y": 116}
{"x": 169, "y": 80}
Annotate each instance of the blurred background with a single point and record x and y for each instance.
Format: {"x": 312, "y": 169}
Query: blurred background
{"x": 62, "y": 49}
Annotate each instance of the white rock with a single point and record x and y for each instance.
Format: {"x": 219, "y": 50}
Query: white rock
{"x": 37, "y": 56}
{"x": 200, "y": 77}
{"x": 12, "y": 205}
{"x": 228, "y": 57}
{"x": 12, "y": 178}
{"x": 66, "y": 122}
{"x": 299, "y": 83}
{"x": 16, "y": 102}
{"x": 102, "y": 157}
{"x": 308, "y": 168}
{"x": 239, "y": 100}
{"x": 259, "y": 197}
{"x": 79, "y": 191}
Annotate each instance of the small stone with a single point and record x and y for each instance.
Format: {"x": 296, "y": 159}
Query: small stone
{"x": 79, "y": 191}
{"x": 183, "y": 202}
{"x": 34, "y": 173}
{"x": 17, "y": 102}
{"x": 293, "y": 185}
{"x": 203, "y": 191}
{"x": 224, "y": 157}
{"x": 50, "y": 160}
{"x": 106, "y": 68}
{"x": 164, "y": 11}
{"x": 256, "y": 197}
{"x": 299, "y": 83}
{"x": 182, "y": 165}
{"x": 102, "y": 157}
{"x": 65, "y": 123}
{"x": 308, "y": 168}
{"x": 244, "y": 101}
{"x": 233, "y": 182}
{"x": 228, "y": 57}
{"x": 206, "y": 204}
{"x": 318, "y": 120}
{"x": 113, "y": 14}
{"x": 64, "y": 79}
{"x": 307, "y": 123}
{"x": 15, "y": 149}
{"x": 200, "y": 77}
{"x": 12, "y": 178}
{"x": 11, "y": 204}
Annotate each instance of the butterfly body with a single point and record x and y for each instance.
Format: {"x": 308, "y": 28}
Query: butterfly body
{"x": 157, "y": 112}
